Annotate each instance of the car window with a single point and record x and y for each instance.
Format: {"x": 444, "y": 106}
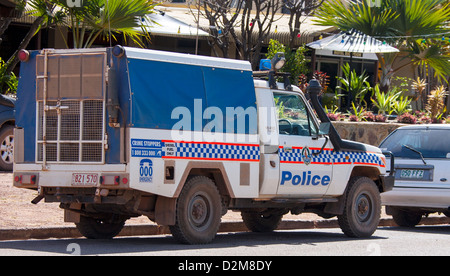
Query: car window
{"x": 293, "y": 116}
{"x": 432, "y": 143}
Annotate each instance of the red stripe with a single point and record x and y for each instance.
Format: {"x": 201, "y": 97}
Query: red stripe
{"x": 211, "y": 143}
{"x": 301, "y": 162}
{"x": 373, "y": 164}
{"x": 331, "y": 163}
{"x": 309, "y": 148}
{"x": 210, "y": 159}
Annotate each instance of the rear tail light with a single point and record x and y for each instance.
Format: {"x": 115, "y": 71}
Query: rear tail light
{"x": 25, "y": 179}
{"x": 23, "y": 55}
{"x": 115, "y": 180}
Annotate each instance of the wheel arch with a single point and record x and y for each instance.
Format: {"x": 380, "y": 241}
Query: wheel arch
{"x": 373, "y": 173}
{"x": 216, "y": 171}
{"x": 165, "y": 213}
{"x": 370, "y": 172}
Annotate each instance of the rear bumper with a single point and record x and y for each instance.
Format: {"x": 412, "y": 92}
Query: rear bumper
{"x": 417, "y": 197}
{"x": 58, "y": 175}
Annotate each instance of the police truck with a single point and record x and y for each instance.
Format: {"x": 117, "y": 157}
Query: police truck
{"x": 115, "y": 133}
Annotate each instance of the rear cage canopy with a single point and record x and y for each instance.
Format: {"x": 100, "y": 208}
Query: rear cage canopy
{"x": 70, "y": 107}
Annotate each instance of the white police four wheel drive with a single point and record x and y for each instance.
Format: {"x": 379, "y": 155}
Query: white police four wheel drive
{"x": 182, "y": 139}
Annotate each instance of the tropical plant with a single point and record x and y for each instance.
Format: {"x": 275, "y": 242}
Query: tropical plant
{"x": 105, "y": 18}
{"x": 384, "y": 101}
{"x": 435, "y": 105}
{"x": 358, "y": 113}
{"x": 368, "y": 116}
{"x": 414, "y": 26}
{"x": 323, "y": 79}
{"x": 380, "y": 118}
{"x": 402, "y": 105}
{"x": 419, "y": 85}
{"x": 94, "y": 19}
{"x": 8, "y": 82}
{"x": 407, "y": 118}
{"x": 42, "y": 11}
{"x": 356, "y": 86}
{"x": 296, "y": 63}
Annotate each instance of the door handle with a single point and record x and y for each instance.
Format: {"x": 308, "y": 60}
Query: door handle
{"x": 287, "y": 149}
{"x": 443, "y": 179}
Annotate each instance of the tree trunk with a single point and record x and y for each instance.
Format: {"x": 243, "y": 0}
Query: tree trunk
{"x": 14, "y": 60}
{"x": 4, "y": 24}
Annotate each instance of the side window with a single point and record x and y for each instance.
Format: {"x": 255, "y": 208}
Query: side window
{"x": 293, "y": 116}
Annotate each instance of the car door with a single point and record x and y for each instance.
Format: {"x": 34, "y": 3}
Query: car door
{"x": 305, "y": 158}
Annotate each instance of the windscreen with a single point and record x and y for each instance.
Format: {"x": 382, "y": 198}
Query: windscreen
{"x": 432, "y": 143}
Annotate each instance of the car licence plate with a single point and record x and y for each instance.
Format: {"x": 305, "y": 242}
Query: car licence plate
{"x": 84, "y": 179}
{"x": 412, "y": 174}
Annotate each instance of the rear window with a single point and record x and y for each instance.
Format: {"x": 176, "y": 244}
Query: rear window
{"x": 432, "y": 143}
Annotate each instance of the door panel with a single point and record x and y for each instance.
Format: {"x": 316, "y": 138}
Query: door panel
{"x": 302, "y": 172}
{"x": 304, "y": 169}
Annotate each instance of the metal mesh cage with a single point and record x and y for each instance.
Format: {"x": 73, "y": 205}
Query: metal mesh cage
{"x": 74, "y": 131}
{"x": 70, "y": 92}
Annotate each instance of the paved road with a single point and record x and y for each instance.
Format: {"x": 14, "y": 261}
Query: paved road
{"x": 423, "y": 240}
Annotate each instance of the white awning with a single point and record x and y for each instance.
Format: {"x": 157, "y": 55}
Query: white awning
{"x": 353, "y": 42}
{"x": 160, "y": 23}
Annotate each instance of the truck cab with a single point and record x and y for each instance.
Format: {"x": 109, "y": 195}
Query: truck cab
{"x": 120, "y": 132}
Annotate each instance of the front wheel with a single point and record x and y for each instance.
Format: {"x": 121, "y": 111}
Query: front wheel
{"x": 362, "y": 209}
{"x": 198, "y": 212}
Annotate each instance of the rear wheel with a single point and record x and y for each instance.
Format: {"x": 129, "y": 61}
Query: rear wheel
{"x": 198, "y": 212}
{"x": 406, "y": 219}
{"x": 362, "y": 209}
{"x": 93, "y": 228}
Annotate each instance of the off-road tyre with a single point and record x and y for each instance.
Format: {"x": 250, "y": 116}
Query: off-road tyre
{"x": 93, "y": 228}
{"x": 198, "y": 212}
{"x": 362, "y": 209}
{"x": 259, "y": 222}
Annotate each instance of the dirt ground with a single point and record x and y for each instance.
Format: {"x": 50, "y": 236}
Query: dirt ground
{"x": 17, "y": 211}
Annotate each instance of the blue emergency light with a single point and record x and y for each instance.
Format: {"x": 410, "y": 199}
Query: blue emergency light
{"x": 265, "y": 64}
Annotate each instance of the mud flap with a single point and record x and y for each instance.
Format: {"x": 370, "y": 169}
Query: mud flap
{"x": 71, "y": 216}
{"x": 165, "y": 210}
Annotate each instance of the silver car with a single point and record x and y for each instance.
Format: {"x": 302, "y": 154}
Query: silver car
{"x": 422, "y": 173}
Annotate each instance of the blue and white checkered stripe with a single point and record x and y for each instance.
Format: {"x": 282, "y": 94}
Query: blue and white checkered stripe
{"x": 218, "y": 151}
{"x": 295, "y": 156}
{"x": 328, "y": 156}
{"x": 367, "y": 158}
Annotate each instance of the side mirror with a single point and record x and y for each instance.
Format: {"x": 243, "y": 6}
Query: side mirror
{"x": 448, "y": 155}
{"x": 324, "y": 128}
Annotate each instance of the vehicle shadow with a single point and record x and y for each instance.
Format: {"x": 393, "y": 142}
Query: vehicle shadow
{"x": 165, "y": 245}
{"x": 435, "y": 229}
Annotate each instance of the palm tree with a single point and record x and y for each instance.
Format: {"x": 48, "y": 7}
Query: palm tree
{"x": 96, "y": 18}
{"x": 41, "y": 10}
{"x": 105, "y": 18}
{"x": 414, "y": 26}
